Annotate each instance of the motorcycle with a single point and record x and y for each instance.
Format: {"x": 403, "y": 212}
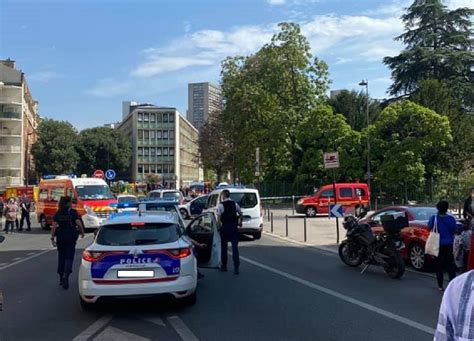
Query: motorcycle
{"x": 362, "y": 246}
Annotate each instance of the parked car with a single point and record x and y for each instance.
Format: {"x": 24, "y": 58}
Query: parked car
{"x": 194, "y": 207}
{"x": 414, "y": 236}
{"x": 249, "y": 202}
{"x": 347, "y": 194}
{"x": 126, "y": 198}
{"x": 166, "y": 193}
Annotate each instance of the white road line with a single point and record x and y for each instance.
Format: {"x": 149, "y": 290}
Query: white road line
{"x": 345, "y": 298}
{"x": 115, "y": 334}
{"x": 183, "y": 331}
{"x": 30, "y": 253}
{"x": 24, "y": 259}
{"x": 93, "y": 328}
{"x": 16, "y": 258}
{"x": 156, "y": 320}
{"x": 2, "y": 264}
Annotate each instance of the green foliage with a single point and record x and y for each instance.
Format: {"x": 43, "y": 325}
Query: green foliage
{"x": 103, "y": 148}
{"x": 353, "y": 106}
{"x": 268, "y": 98}
{"x": 55, "y": 150}
{"x": 405, "y": 139}
{"x": 152, "y": 179}
{"x": 438, "y": 45}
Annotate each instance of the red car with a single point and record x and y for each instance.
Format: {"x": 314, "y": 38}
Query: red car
{"x": 414, "y": 236}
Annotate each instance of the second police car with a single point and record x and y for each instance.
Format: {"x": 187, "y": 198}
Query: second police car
{"x": 139, "y": 254}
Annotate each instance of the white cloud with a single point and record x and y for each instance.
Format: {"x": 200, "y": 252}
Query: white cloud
{"x": 276, "y": 2}
{"x": 44, "y": 76}
{"x": 109, "y": 87}
{"x": 453, "y": 4}
{"x": 158, "y": 65}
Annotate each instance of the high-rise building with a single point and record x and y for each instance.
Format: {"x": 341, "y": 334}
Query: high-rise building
{"x": 19, "y": 121}
{"x": 163, "y": 143}
{"x": 203, "y": 99}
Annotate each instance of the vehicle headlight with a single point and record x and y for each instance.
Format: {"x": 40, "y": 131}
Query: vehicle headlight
{"x": 299, "y": 202}
{"x": 89, "y": 210}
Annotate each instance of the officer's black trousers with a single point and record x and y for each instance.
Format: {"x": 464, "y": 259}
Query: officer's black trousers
{"x": 230, "y": 235}
{"x": 66, "y": 250}
{"x": 25, "y": 215}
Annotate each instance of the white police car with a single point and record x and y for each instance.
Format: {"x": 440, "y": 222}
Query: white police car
{"x": 139, "y": 254}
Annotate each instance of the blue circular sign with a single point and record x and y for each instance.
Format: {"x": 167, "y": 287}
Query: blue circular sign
{"x": 110, "y": 174}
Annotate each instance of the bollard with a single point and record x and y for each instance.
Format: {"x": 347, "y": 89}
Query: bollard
{"x": 268, "y": 212}
{"x": 286, "y": 220}
{"x": 271, "y": 224}
{"x": 305, "y": 229}
{"x": 293, "y": 200}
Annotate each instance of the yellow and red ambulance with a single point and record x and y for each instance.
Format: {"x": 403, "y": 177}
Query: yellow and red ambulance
{"x": 91, "y": 197}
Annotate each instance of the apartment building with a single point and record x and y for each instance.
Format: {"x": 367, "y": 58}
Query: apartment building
{"x": 163, "y": 143}
{"x": 203, "y": 99}
{"x": 19, "y": 121}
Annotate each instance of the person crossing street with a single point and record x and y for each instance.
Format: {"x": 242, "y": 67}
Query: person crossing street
{"x": 230, "y": 219}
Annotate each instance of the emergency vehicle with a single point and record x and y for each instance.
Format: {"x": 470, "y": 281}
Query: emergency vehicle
{"x": 91, "y": 198}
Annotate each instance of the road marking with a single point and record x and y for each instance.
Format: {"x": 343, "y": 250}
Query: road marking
{"x": 30, "y": 253}
{"x": 24, "y": 259}
{"x": 343, "y": 297}
{"x": 16, "y": 258}
{"x": 183, "y": 331}
{"x": 115, "y": 334}
{"x": 93, "y": 328}
{"x": 155, "y": 320}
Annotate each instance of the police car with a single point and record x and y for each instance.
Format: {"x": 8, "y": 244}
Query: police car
{"x": 142, "y": 253}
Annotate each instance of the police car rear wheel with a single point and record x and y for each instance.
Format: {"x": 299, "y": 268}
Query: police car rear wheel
{"x": 86, "y": 305}
{"x": 190, "y": 300}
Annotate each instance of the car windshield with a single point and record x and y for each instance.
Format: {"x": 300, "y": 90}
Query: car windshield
{"x": 127, "y": 199}
{"x": 94, "y": 192}
{"x": 422, "y": 213}
{"x": 245, "y": 200}
{"x": 126, "y": 234}
{"x": 176, "y": 195}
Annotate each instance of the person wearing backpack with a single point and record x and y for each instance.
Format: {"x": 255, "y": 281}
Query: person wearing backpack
{"x": 64, "y": 234}
{"x": 25, "y": 206}
{"x": 445, "y": 224}
{"x": 10, "y": 213}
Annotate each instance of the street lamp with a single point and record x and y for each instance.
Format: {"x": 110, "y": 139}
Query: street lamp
{"x": 366, "y": 84}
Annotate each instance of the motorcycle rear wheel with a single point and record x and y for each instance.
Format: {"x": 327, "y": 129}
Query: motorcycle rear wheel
{"x": 396, "y": 267}
{"x": 349, "y": 254}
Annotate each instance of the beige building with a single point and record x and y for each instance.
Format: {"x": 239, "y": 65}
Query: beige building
{"x": 163, "y": 143}
{"x": 19, "y": 121}
{"x": 203, "y": 99}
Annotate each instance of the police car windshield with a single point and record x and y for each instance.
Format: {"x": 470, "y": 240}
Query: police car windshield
{"x": 126, "y": 234}
{"x": 245, "y": 200}
{"x": 94, "y": 192}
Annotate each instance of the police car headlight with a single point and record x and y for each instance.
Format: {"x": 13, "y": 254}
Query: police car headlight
{"x": 89, "y": 210}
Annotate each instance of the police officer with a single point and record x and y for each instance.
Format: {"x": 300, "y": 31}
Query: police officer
{"x": 25, "y": 206}
{"x": 230, "y": 219}
{"x": 66, "y": 228}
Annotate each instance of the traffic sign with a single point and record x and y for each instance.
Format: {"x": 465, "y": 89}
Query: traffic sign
{"x": 331, "y": 160}
{"x": 110, "y": 174}
{"x": 99, "y": 173}
{"x": 336, "y": 211}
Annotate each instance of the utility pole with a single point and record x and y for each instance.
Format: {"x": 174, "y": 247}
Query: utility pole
{"x": 366, "y": 84}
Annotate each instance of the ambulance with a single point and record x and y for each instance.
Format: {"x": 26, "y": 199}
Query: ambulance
{"x": 91, "y": 197}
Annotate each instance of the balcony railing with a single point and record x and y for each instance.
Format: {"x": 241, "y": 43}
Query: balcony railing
{"x": 11, "y": 115}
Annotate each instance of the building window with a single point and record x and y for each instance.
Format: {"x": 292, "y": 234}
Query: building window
{"x": 159, "y": 117}
{"x": 165, "y": 169}
{"x": 152, "y": 151}
{"x": 152, "y": 117}
{"x": 146, "y": 117}
{"x": 140, "y": 169}
{"x": 165, "y": 151}
{"x": 171, "y": 134}
{"x": 140, "y": 117}
{"x": 159, "y": 169}
{"x": 140, "y": 134}
{"x": 146, "y": 134}
{"x": 152, "y": 134}
{"x": 171, "y": 117}
{"x": 165, "y": 118}
{"x": 165, "y": 134}
{"x": 140, "y": 151}
{"x": 171, "y": 151}
{"x": 158, "y": 151}
{"x": 147, "y": 169}
{"x": 171, "y": 168}
{"x": 158, "y": 134}
{"x": 153, "y": 169}
{"x": 146, "y": 151}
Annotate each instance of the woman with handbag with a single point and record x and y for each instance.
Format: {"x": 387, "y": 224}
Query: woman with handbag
{"x": 445, "y": 226}
{"x": 66, "y": 228}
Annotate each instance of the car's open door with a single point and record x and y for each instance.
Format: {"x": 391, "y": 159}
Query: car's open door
{"x": 204, "y": 230}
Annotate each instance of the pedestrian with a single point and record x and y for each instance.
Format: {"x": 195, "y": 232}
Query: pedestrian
{"x": 466, "y": 237}
{"x": 17, "y": 221}
{"x": 10, "y": 213}
{"x": 456, "y": 320}
{"x": 25, "y": 212}
{"x": 468, "y": 211}
{"x": 66, "y": 229}
{"x": 1, "y": 213}
{"x": 446, "y": 226}
{"x": 230, "y": 219}
{"x": 458, "y": 250}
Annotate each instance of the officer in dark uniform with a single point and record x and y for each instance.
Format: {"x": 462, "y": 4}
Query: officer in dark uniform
{"x": 66, "y": 228}
{"x": 230, "y": 219}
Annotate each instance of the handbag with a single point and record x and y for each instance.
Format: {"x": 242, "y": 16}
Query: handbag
{"x": 432, "y": 243}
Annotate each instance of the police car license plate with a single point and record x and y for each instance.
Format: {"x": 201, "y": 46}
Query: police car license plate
{"x": 135, "y": 273}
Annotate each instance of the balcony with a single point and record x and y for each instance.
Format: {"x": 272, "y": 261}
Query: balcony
{"x": 10, "y": 115}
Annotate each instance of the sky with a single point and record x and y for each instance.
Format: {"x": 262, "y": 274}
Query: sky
{"x": 82, "y": 58}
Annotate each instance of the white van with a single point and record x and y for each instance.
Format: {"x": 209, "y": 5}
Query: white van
{"x": 249, "y": 201}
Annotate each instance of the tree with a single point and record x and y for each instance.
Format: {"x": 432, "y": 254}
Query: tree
{"x": 404, "y": 140}
{"x": 104, "y": 148}
{"x": 438, "y": 45}
{"x": 152, "y": 180}
{"x": 268, "y": 98}
{"x": 55, "y": 150}
{"x": 353, "y": 106}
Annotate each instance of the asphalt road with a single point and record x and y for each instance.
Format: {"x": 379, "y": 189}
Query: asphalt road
{"x": 284, "y": 292}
